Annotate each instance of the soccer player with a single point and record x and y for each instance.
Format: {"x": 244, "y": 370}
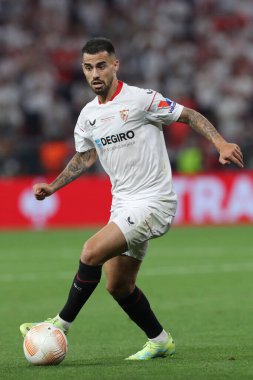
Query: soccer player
{"x": 123, "y": 127}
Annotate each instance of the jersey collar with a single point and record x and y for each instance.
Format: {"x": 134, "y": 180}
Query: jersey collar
{"x": 118, "y": 89}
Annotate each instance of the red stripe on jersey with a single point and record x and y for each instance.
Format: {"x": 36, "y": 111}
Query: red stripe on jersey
{"x": 152, "y": 102}
{"x": 118, "y": 89}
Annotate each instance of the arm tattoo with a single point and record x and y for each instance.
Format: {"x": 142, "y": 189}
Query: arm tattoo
{"x": 199, "y": 123}
{"x": 76, "y": 166}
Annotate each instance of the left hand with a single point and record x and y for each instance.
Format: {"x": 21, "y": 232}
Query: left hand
{"x": 230, "y": 153}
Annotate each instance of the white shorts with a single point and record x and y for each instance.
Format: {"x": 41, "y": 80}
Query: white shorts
{"x": 140, "y": 222}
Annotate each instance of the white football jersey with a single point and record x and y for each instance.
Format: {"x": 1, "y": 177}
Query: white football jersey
{"x": 127, "y": 135}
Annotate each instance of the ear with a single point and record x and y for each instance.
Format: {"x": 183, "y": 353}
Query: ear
{"x": 116, "y": 65}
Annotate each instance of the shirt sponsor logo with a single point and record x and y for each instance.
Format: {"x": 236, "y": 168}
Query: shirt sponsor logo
{"x": 92, "y": 123}
{"x": 114, "y": 139}
{"x": 167, "y": 103}
{"x": 124, "y": 114}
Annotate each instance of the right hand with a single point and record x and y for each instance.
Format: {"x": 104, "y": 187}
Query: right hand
{"x": 230, "y": 153}
{"x": 42, "y": 190}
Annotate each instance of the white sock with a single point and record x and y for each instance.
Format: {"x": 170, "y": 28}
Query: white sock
{"x": 65, "y": 324}
{"x": 162, "y": 337}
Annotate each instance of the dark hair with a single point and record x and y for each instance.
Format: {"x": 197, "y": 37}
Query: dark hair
{"x": 98, "y": 44}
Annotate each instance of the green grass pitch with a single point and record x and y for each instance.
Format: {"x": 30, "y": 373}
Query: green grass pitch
{"x": 199, "y": 282}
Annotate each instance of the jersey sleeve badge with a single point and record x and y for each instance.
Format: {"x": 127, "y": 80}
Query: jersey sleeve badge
{"x": 167, "y": 103}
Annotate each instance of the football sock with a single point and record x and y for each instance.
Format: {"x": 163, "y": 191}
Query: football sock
{"x": 138, "y": 309}
{"x": 85, "y": 282}
{"x": 160, "y": 338}
{"x": 64, "y": 323}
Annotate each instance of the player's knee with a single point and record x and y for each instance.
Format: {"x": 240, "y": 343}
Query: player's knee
{"x": 90, "y": 254}
{"x": 120, "y": 290}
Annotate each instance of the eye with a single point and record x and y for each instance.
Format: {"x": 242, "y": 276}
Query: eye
{"x": 102, "y": 66}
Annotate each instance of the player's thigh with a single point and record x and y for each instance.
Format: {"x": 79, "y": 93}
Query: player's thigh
{"x": 121, "y": 273}
{"x": 142, "y": 221}
{"x": 105, "y": 244}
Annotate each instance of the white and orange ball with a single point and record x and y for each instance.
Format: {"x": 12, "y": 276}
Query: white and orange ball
{"x": 45, "y": 344}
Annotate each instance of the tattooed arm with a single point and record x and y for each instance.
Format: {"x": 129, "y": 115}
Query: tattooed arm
{"x": 76, "y": 166}
{"x": 228, "y": 152}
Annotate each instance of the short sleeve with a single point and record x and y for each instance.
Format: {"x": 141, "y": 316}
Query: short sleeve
{"x": 83, "y": 141}
{"x": 162, "y": 110}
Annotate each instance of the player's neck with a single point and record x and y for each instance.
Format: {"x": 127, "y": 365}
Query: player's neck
{"x": 106, "y": 98}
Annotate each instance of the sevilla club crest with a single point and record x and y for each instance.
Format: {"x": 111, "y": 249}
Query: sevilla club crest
{"x": 124, "y": 114}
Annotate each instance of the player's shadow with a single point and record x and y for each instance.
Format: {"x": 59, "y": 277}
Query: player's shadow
{"x": 116, "y": 361}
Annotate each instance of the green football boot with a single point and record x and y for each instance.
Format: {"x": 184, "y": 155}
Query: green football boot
{"x": 153, "y": 350}
{"x": 25, "y": 327}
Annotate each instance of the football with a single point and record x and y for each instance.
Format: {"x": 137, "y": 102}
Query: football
{"x": 45, "y": 344}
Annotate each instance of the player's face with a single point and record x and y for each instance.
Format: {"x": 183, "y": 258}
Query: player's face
{"x": 100, "y": 70}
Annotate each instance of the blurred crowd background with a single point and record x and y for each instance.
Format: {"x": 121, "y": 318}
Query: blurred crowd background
{"x": 197, "y": 52}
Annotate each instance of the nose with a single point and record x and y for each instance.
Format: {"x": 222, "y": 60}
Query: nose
{"x": 95, "y": 74}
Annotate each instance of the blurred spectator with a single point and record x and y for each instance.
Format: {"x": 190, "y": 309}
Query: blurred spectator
{"x": 53, "y": 155}
{"x": 198, "y": 52}
{"x": 190, "y": 160}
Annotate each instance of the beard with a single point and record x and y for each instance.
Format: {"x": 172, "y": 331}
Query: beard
{"x": 103, "y": 89}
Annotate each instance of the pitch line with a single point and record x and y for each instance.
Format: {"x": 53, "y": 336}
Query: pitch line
{"x": 145, "y": 272}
